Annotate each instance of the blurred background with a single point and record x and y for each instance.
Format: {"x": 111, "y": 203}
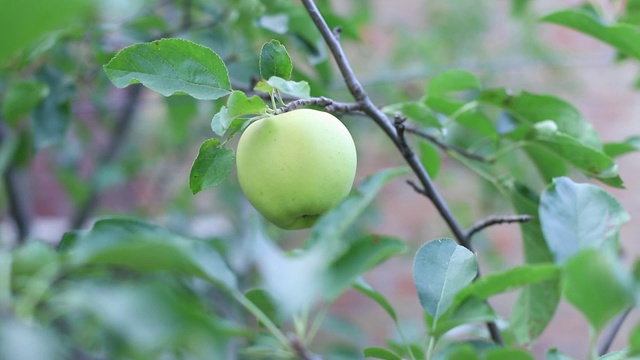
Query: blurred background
{"x": 129, "y": 151}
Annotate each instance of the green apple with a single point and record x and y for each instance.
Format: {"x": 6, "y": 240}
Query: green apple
{"x": 296, "y": 166}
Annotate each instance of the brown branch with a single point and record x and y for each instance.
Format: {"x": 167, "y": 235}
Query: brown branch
{"x": 300, "y": 351}
{"x": 427, "y": 185}
{"x": 613, "y": 331}
{"x": 495, "y": 220}
{"x": 328, "y": 104}
{"x": 118, "y": 137}
{"x": 446, "y": 147}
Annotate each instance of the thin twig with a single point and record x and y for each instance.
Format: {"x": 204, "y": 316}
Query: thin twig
{"x": 302, "y": 352}
{"x": 328, "y": 104}
{"x": 495, "y": 220}
{"x": 118, "y": 137}
{"x": 444, "y": 146}
{"x": 357, "y": 91}
{"x": 17, "y": 198}
{"x": 613, "y": 331}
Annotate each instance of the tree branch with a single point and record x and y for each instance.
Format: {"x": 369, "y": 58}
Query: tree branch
{"x": 613, "y": 331}
{"x": 444, "y": 146}
{"x": 118, "y": 137}
{"x": 17, "y": 199}
{"x": 395, "y": 133}
{"x": 328, "y": 104}
{"x": 495, "y": 220}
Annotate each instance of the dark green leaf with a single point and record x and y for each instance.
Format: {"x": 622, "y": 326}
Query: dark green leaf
{"x": 171, "y": 66}
{"x": 374, "y": 295}
{"x": 532, "y": 108}
{"x": 634, "y": 341}
{"x": 508, "y": 353}
{"x": 362, "y": 255}
{"x": 52, "y": 115}
{"x": 44, "y": 16}
{"x": 578, "y": 216}
{"x": 380, "y": 353}
{"x": 430, "y": 158}
{"x": 509, "y": 280}
{"x": 549, "y": 164}
{"x": 441, "y": 269}
{"x": 211, "y": 166}
{"x": 554, "y": 354}
{"x": 471, "y": 310}
{"x": 21, "y": 97}
{"x": 616, "y": 149}
{"x": 595, "y": 285}
{"x": 275, "y": 61}
{"x": 624, "y": 37}
{"x": 145, "y": 247}
{"x": 451, "y": 81}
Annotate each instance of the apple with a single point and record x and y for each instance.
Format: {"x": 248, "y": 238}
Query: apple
{"x": 294, "y": 167}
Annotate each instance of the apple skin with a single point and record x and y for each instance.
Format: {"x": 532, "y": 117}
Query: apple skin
{"x": 296, "y": 166}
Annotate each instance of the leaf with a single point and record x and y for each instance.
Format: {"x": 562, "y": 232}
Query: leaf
{"x": 43, "y": 343}
{"x": 578, "y": 216}
{"x": 380, "y": 353}
{"x": 44, "y": 16}
{"x": 634, "y": 341}
{"x": 509, "y": 280}
{"x": 211, "y": 166}
{"x": 5, "y": 279}
{"x": 20, "y": 98}
{"x": 430, "y": 158}
{"x": 264, "y": 302}
{"x": 144, "y": 247}
{"x": 362, "y": 255}
{"x": 52, "y": 115}
{"x": 615, "y": 149}
{"x": 171, "y": 66}
{"x": 451, "y": 81}
{"x": 238, "y": 105}
{"x": 330, "y": 228}
{"x": 275, "y": 61}
{"x": 589, "y": 160}
{"x": 554, "y": 354}
{"x": 374, "y": 295}
{"x": 508, "y": 353}
{"x": 416, "y": 111}
{"x": 471, "y": 310}
{"x": 531, "y": 108}
{"x": 441, "y": 269}
{"x": 595, "y": 285}
{"x": 624, "y": 37}
{"x": 298, "y": 89}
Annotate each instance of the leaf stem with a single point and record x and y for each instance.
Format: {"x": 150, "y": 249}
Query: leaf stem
{"x": 264, "y": 319}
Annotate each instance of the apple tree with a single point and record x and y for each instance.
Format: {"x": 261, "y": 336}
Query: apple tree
{"x": 252, "y": 83}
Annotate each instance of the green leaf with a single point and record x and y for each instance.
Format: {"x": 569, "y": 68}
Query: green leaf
{"x": 595, "y": 285}
{"x": 624, "y": 37}
{"x": 470, "y": 310}
{"x": 144, "y": 247}
{"x": 42, "y": 342}
{"x": 171, "y": 66}
{"x": 508, "y": 353}
{"x": 509, "y": 280}
{"x": 531, "y": 108}
{"x": 275, "y": 61}
{"x": 376, "y": 296}
{"x": 298, "y": 89}
{"x": 634, "y": 341}
{"x": 430, "y": 158}
{"x": 589, "y": 160}
{"x": 52, "y": 115}
{"x": 549, "y": 164}
{"x": 615, "y": 149}
{"x": 44, "y": 17}
{"x": 329, "y": 230}
{"x": 238, "y": 105}
{"x": 362, "y": 255}
{"x": 616, "y": 355}
{"x": 211, "y": 166}
{"x": 415, "y": 111}
{"x": 21, "y": 97}
{"x": 261, "y": 299}
{"x": 5, "y": 279}
{"x": 380, "y": 353}
{"x": 451, "y": 81}
{"x": 578, "y": 216}
{"x": 441, "y": 269}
